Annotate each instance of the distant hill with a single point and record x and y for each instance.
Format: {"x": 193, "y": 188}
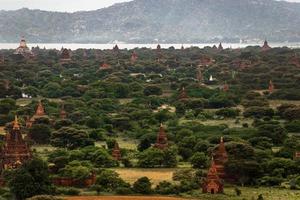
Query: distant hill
{"x": 159, "y": 21}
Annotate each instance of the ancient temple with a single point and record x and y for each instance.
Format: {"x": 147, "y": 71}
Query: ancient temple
{"x": 134, "y": 57}
{"x": 220, "y": 47}
{"x": 63, "y": 113}
{"x": 205, "y": 61}
{"x": 158, "y": 48}
{"x": 116, "y": 153}
{"x": 271, "y": 87}
{"x": 116, "y": 48}
{"x": 65, "y": 56}
{"x": 40, "y": 112}
{"x": 23, "y": 50}
{"x": 266, "y": 46}
{"x": 200, "y": 77}
{"x": 225, "y": 87}
{"x": 104, "y": 66}
{"x": 213, "y": 184}
{"x": 183, "y": 95}
{"x": 297, "y": 156}
{"x": 220, "y": 158}
{"x": 161, "y": 140}
{"x": 15, "y": 151}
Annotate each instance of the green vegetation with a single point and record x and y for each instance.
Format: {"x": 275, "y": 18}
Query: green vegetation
{"x": 127, "y": 102}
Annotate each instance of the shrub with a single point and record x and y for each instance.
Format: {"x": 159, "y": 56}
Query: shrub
{"x": 228, "y": 112}
{"x": 123, "y": 190}
{"x": 142, "y": 186}
{"x": 44, "y": 197}
{"x": 166, "y": 188}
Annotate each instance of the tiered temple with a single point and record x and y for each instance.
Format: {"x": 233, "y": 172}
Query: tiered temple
{"x": 65, "y": 56}
{"x": 220, "y": 47}
{"x": 63, "y": 113}
{"x": 183, "y": 95}
{"x": 40, "y": 112}
{"x": 23, "y": 50}
{"x": 266, "y": 46}
{"x": 15, "y": 151}
{"x": 213, "y": 184}
{"x": 225, "y": 87}
{"x": 116, "y": 153}
{"x": 220, "y": 158}
{"x": 161, "y": 140}
{"x": 134, "y": 57}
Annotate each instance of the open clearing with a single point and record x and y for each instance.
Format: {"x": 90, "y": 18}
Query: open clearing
{"x": 121, "y": 198}
{"x": 155, "y": 175}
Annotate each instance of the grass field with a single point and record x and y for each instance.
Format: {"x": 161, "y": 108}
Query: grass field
{"x": 155, "y": 175}
{"x": 123, "y": 143}
{"x": 250, "y": 194}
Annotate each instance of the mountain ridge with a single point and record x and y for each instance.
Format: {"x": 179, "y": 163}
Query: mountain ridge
{"x": 149, "y": 21}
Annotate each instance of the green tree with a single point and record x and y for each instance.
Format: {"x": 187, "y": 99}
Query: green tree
{"x": 30, "y": 179}
{"x": 40, "y": 133}
{"x": 142, "y": 186}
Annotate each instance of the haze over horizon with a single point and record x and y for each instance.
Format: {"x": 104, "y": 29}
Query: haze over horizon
{"x": 64, "y": 6}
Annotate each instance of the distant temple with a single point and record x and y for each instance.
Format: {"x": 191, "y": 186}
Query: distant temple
{"x": 2, "y": 59}
{"x": 225, "y": 87}
{"x": 213, "y": 184}
{"x": 15, "y": 151}
{"x": 183, "y": 94}
{"x": 297, "y": 156}
{"x": 220, "y": 158}
{"x": 63, "y": 113}
{"x": 220, "y": 47}
{"x": 23, "y": 50}
{"x": 161, "y": 140}
{"x": 266, "y": 46}
{"x": 40, "y": 112}
{"x": 205, "y": 61}
{"x": 65, "y": 56}
{"x": 104, "y": 66}
{"x": 134, "y": 57}
{"x": 116, "y": 48}
{"x": 271, "y": 86}
{"x": 200, "y": 76}
{"x": 158, "y": 48}
{"x": 116, "y": 153}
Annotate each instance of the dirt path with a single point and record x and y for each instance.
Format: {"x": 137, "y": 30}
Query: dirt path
{"x": 121, "y": 198}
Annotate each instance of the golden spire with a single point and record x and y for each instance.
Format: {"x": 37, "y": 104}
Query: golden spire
{"x": 16, "y": 125}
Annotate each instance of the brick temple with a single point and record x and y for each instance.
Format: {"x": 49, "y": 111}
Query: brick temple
{"x": 183, "y": 94}
{"x": 161, "y": 140}
{"x": 116, "y": 153}
{"x": 23, "y": 50}
{"x": 40, "y": 112}
{"x": 266, "y": 46}
{"x": 213, "y": 183}
{"x": 15, "y": 151}
{"x": 220, "y": 158}
{"x": 65, "y": 56}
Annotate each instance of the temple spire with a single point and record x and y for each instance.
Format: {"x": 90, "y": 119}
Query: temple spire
{"x": 116, "y": 153}
{"x": 271, "y": 87}
{"x": 161, "y": 140}
{"x": 40, "y": 111}
{"x": 16, "y": 125}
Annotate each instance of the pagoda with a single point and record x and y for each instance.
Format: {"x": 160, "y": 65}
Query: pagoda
{"x": 116, "y": 153}
{"x": 104, "y": 66}
{"x": 266, "y": 46}
{"x": 225, "y": 87}
{"x": 271, "y": 87}
{"x": 213, "y": 184}
{"x": 134, "y": 57}
{"x": 200, "y": 76}
{"x": 65, "y": 56}
{"x": 23, "y": 49}
{"x": 183, "y": 94}
{"x": 40, "y": 112}
{"x": 220, "y": 157}
{"x": 116, "y": 48}
{"x": 15, "y": 151}
{"x": 158, "y": 48}
{"x": 63, "y": 113}
{"x": 161, "y": 140}
{"x": 220, "y": 47}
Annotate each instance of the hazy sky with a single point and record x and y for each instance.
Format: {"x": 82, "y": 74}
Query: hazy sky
{"x": 62, "y": 5}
